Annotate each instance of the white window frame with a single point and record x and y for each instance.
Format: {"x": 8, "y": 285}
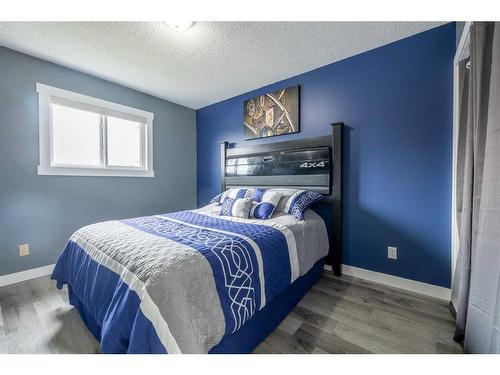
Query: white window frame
{"x": 48, "y": 94}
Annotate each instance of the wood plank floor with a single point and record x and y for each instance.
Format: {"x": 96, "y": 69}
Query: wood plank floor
{"x": 338, "y": 315}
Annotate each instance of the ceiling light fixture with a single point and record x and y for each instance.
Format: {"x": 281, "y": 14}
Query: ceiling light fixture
{"x": 180, "y": 25}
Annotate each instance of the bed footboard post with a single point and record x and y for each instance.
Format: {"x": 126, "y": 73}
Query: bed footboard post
{"x": 336, "y": 195}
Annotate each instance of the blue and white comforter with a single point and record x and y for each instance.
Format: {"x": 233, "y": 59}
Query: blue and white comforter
{"x": 176, "y": 283}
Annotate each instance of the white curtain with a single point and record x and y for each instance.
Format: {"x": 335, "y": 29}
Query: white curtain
{"x": 476, "y": 285}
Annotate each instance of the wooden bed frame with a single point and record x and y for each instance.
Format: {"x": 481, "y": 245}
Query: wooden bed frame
{"x": 312, "y": 163}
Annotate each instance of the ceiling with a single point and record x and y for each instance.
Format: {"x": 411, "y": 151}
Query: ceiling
{"x": 205, "y": 64}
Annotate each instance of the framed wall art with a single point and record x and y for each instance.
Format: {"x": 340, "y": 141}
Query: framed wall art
{"x": 272, "y": 114}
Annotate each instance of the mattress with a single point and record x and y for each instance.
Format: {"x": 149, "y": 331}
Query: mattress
{"x": 309, "y": 234}
{"x": 183, "y": 282}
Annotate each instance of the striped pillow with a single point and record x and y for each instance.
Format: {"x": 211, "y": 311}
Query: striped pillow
{"x": 234, "y": 193}
{"x": 264, "y": 204}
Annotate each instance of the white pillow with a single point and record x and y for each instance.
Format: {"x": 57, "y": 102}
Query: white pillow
{"x": 286, "y": 193}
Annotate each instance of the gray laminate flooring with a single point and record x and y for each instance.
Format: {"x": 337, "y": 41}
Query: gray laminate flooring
{"x": 338, "y": 315}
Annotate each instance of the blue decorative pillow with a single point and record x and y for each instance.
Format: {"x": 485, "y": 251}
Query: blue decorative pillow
{"x": 236, "y": 207}
{"x": 300, "y": 201}
{"x": 265, "y": 203}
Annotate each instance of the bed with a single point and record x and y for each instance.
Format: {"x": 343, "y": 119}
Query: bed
{"x": 197, "y": 282}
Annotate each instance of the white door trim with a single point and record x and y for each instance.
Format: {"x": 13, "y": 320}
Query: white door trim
{"x": 461, "y": 53}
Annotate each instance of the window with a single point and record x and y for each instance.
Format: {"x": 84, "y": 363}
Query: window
{"x": 85, "y": 136}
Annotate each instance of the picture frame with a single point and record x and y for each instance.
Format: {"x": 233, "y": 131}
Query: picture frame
{"x": 272, "y": 114}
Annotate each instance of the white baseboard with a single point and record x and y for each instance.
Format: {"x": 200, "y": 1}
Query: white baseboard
{"x": 397, "y": 282}
{"x": 33, "y": 273}
{"x": 377, "y": 277}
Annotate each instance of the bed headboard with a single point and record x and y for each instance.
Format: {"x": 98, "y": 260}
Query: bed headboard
{"x": 312, "y": 163}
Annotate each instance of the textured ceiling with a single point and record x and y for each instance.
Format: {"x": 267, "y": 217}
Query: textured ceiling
{"x": 207, "y": 63}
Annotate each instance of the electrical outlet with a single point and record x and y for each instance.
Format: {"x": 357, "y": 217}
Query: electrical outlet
{"x": 392, "y": 252}
{"x": 24, "y": 250}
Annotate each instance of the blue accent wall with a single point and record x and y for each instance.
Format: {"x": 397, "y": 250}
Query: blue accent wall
{"x": 44, "y": 210}
{"x": 396, "y": 102}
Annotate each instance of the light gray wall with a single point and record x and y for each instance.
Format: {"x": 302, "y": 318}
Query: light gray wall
{"x": 44, "y": 210}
